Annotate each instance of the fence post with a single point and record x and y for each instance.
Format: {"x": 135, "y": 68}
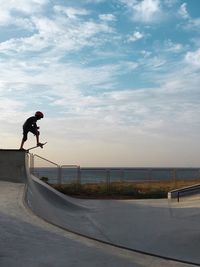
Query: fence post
{"x": 78, "y": 175}
{"x": 121, "y": 175}
{"x": 149, "y": 174}
{"x": 31, "y": 167}
{"x": 59, "y": 175}
{"x": 150, "y": 178}
{"x": 108, "y": 179}
{"x": 174, "y": 176}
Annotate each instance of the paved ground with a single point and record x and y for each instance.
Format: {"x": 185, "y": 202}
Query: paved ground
{"x": 28, "y": 241}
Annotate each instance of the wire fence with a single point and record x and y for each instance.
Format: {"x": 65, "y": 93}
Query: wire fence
{"x": 64, "y": 174}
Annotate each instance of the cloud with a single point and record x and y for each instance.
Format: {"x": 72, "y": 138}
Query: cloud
{"x": 145, "y": 11}
{"x": 193, "y": 58}
{"x": 154, "y": 63}
{"x": 11, "y": 12}
{"x": 192, "y": 25}
{"x": 173, "y": 47}
{"x": 136, "y": 36}
{"x": 183, "y": 11}
{"x": 170, "y": 3}
{"x": 107, "y": 17}
{"x": 61, "y": 33}
{"x": 152, "y": 110}
{"x": 93, "y": 1}
{"x": 160, "y": 111}
{"x": 23, "y": 6}
{"x": 70, "y": 12}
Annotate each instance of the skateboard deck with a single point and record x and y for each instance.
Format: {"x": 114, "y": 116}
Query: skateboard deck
{"x": 41, "y": 146}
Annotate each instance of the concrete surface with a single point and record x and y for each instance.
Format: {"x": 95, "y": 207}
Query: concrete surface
{"x": 28, "y": 241}
{"x": 151, "y": 226}
{"x": 12, "y": 165}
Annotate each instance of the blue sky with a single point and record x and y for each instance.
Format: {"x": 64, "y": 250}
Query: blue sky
{"x": 118, "y": 81}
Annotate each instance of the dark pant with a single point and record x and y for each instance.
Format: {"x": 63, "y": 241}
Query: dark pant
{"x": 32, "y": 130}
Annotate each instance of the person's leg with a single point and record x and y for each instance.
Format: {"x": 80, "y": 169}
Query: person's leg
{"x": 22, "y": 144}
{"x": 37, "y": 137}
{"x": 36, "y": 133}
{"x": 24, "y": 138}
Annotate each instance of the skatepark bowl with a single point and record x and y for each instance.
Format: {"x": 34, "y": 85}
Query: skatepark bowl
{"x": 42, "y": 227}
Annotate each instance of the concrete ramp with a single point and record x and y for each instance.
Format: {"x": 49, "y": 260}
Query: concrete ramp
{"x": 149, "y": 227}
{"x": 60, "y": 210}
{"x": 28, "y": 241}
{"x": 152, "y": 227}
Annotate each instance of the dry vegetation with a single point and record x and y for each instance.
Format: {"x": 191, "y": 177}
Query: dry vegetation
{"x": 124, "y": 190}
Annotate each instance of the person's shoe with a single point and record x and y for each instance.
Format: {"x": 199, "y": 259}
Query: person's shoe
{"x": 40, "y": 145}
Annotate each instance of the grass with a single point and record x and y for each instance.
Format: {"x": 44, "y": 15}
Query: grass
{"x": 123, "y": 190}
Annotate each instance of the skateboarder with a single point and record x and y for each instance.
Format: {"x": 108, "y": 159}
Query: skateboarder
{"x": 31, "y": 126}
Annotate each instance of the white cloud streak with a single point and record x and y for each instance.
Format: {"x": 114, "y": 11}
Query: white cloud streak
{"x": 193, "y": 58}
{"x": 136, "y": 36}
{"x": 183, "y": 11}
{"x": 107, "y": 17}
{"x": 23, "y": 7}
{"x": 61, "y": 33}
{"x": 146, "y": 11}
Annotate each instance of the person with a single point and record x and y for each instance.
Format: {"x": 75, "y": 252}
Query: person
{"x": 30, "y": 125}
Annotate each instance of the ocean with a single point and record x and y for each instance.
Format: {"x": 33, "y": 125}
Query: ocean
{"x": 96, "y": 175}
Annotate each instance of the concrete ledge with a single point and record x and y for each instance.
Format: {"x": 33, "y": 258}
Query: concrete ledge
{"x": 184, "y": 192}
{"x": 12, "y": 165}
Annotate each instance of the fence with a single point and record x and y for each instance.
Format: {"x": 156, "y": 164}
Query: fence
{"x": 63, "y": 174}
{"x": 52, "y": 172}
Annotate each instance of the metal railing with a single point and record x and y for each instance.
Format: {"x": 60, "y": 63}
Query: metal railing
{"x": 52, "y": 172}
{"x": 184, "y": 192}
{"x": 55, "y": 173}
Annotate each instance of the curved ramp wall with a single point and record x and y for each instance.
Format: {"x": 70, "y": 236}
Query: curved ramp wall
{"x": 139, "y": 226}
{"x": 59, "y": 209}
{"x": 12, "y": 165}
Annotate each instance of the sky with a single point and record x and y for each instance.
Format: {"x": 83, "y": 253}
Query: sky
{"x": 118, "y": 81}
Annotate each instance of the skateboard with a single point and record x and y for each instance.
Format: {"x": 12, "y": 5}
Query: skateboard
{"x": 41, "y": 145}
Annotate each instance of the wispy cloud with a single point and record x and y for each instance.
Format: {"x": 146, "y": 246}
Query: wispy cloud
{"x": 144, "y": 11}
{"x": 136, "y": 36}
{"x": 11, "y": 13}
{"x": 107, "y": 17}
{"x": 183, "y": 11}
{"x": 173, "y": 47}
{"x": 56, "y": 33}
{"x": 193, "y": 58}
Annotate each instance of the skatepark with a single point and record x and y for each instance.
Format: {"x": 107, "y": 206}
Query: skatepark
{"x": 42, "y": 227}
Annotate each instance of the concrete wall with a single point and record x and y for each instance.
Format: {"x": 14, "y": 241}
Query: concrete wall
{"x": 13, "y": 165}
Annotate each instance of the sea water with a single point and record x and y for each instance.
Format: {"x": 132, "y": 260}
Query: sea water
{"x": 96, "y": 175}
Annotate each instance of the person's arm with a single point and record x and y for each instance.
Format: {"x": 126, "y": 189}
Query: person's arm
{"x": 34, "y": 125}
